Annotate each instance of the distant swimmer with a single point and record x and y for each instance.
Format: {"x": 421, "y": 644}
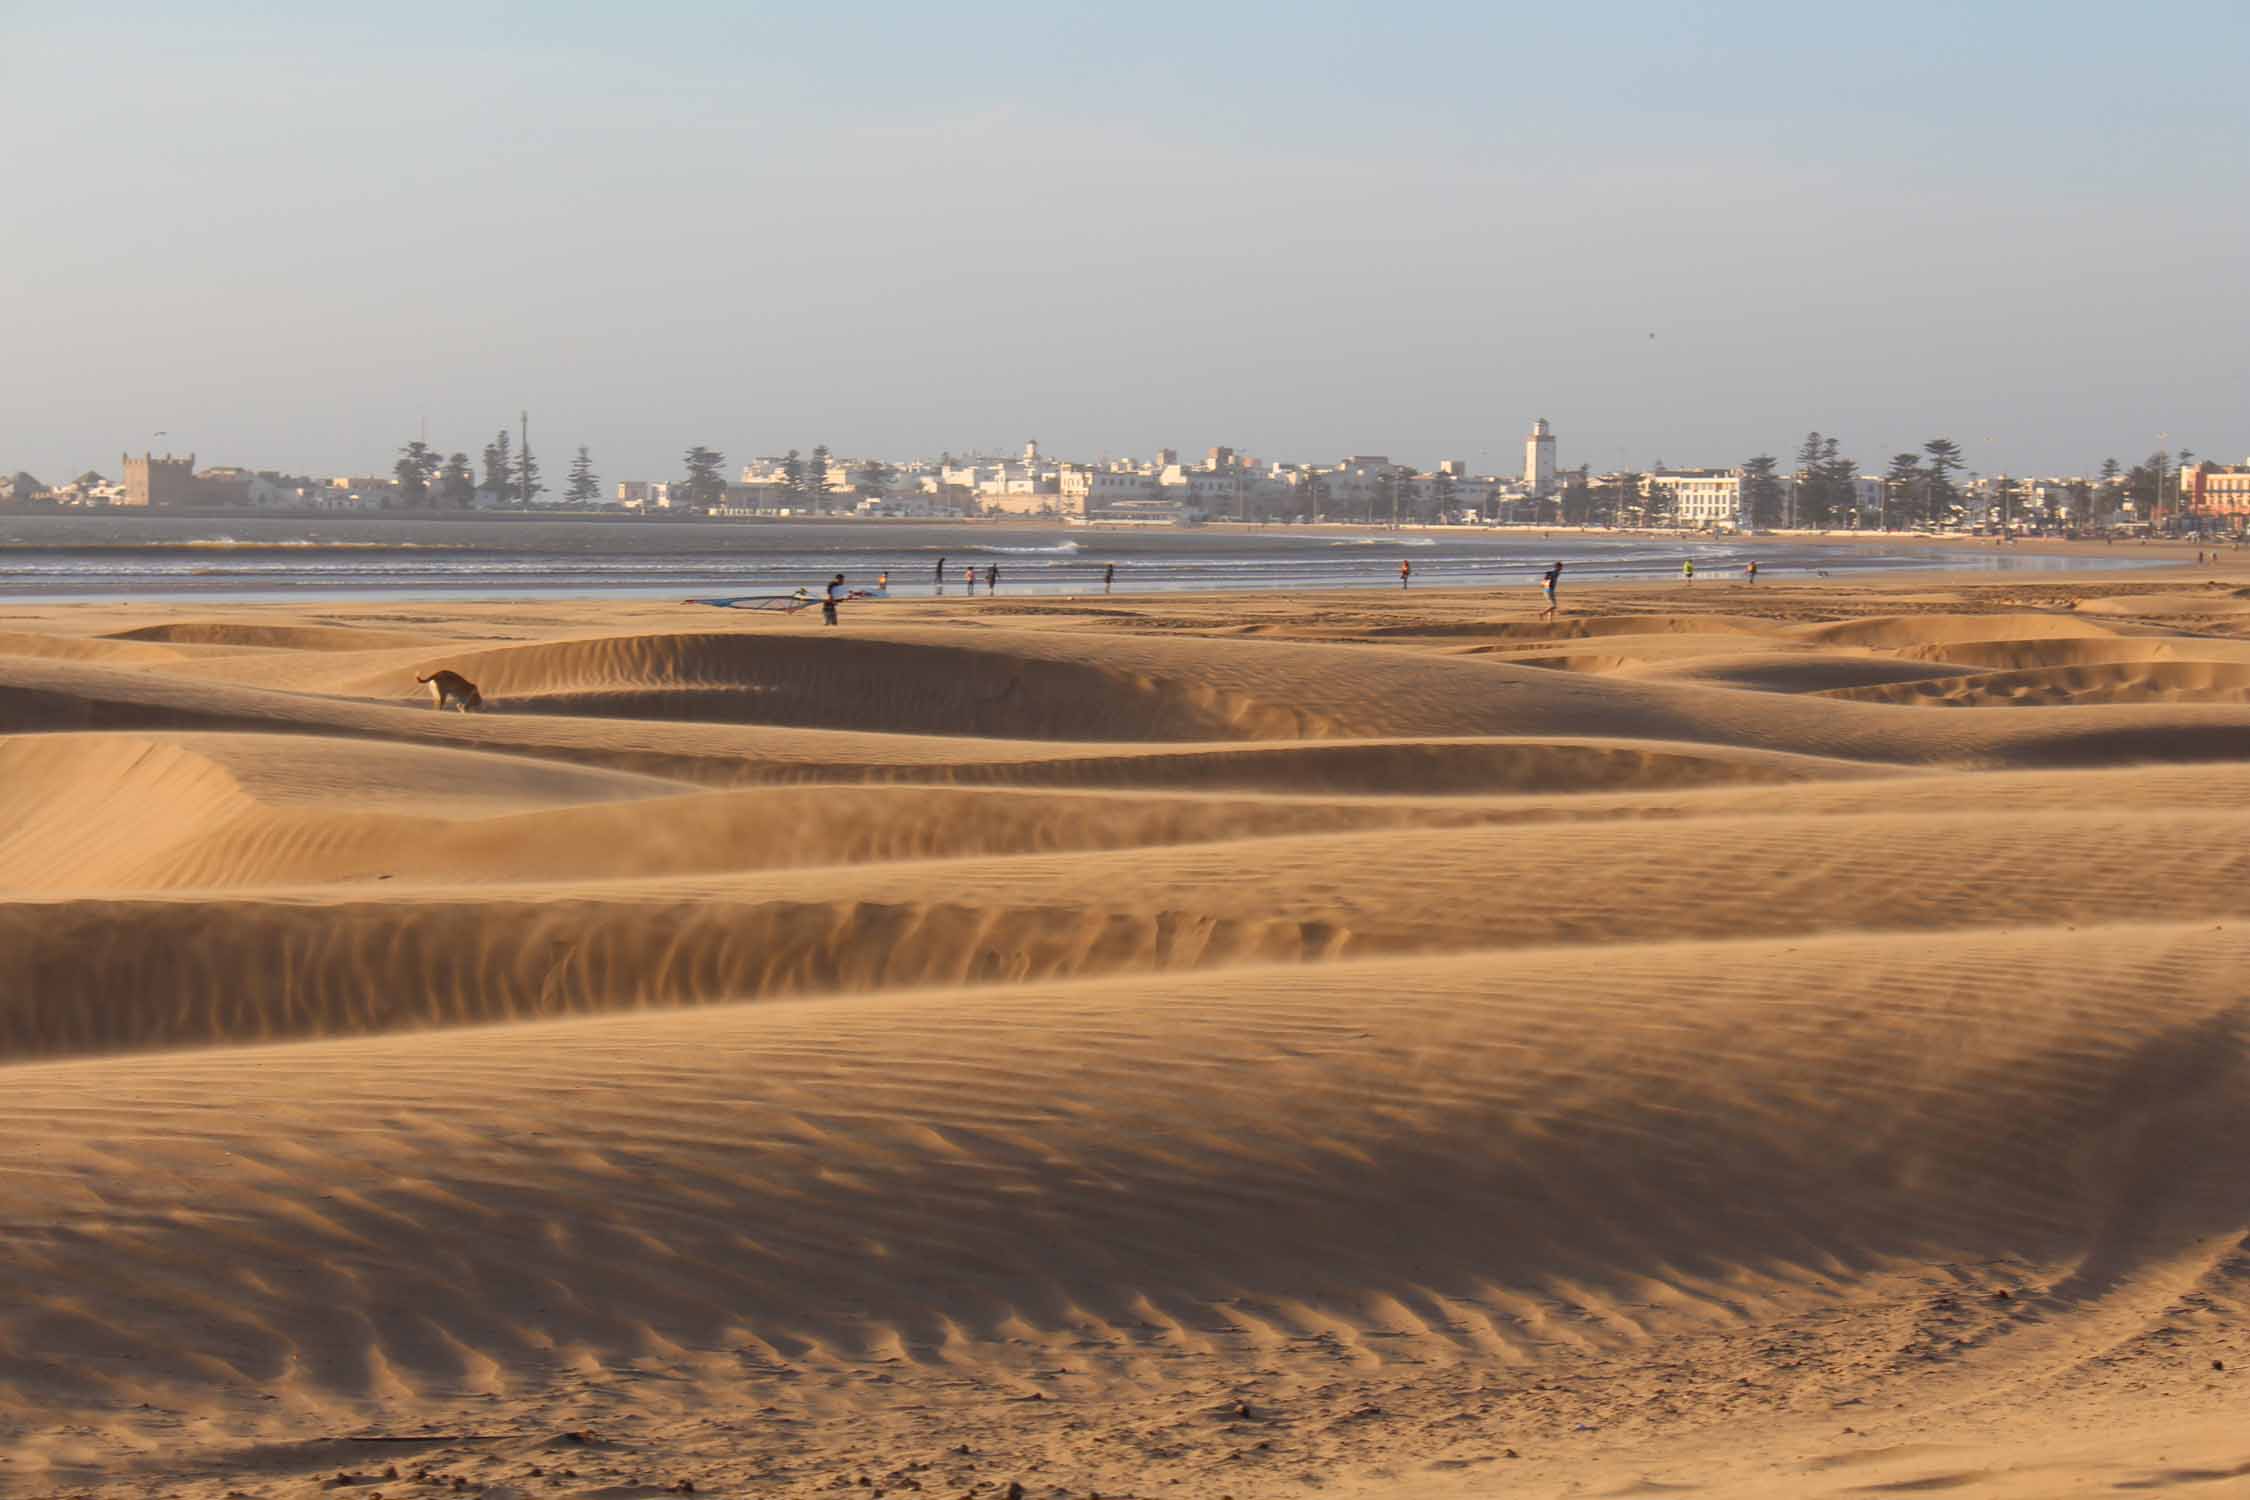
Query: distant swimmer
{"x": 1752, "y": 570}
{"x": 1109, "y": 576}
{"x": 1405, "y": 571}
{"x": 452, "y": 690}
{"x": 1549, "y": 582}
{"x": 1687, "y": 570}
{"x": 828, "y": 601}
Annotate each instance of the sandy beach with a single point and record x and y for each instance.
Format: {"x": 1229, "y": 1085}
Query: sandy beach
{"x": 1773, "y": 1041}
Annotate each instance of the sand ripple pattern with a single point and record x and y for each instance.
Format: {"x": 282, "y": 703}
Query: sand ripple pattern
{"x": 1376, "y": 1045}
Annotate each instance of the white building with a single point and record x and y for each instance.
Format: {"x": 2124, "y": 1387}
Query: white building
{"x": 1352, "y": 488}
{"x": 1703, "y": 498}
{"x": 1539, "y": 460}
{"x": 1451, "y": 491}
{"x": 1085, "y": 489}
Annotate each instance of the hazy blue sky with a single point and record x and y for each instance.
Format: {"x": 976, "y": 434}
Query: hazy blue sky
{"x": 288, "y": 232}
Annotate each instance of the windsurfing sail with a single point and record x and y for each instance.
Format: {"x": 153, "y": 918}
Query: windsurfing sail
{"x": 786, "y": 603}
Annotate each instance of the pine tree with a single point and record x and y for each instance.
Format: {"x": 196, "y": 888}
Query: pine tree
{"x": 1903, "y": 495}
{"x": 2144, "y": 483}
{"x": 793, "y": 474}
{"x": 874, "y": 477}
{"x": 1813, "y": 505}
{"x": 457, "y": 483}
{"x": 1663, "y": 499}
{"x": 413, "y": 490}
{"x": 1839, "y": 474}
{"x": 1625, "y": 498}
{"x": 1843, "y": 493}
{"x": 417, "y": 461}
{"x": 816, "y": 477}
{"x": 584, "y": 488}
{"x": 1937, "y": 477}
{"x": 2106, "y": 495}
{"x": 1577, "y": 500}
{"x": 499, "y": 463}
{"x": 528, "y": 487}
{"x": 2081, "y": 503}
{"x": 1761, "y": 492}
{"x": 704, "y": 484}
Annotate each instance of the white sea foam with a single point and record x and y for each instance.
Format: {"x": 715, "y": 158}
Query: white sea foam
{"x": 1059, "y": 549}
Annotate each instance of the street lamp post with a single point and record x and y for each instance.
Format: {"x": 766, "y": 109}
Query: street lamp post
{"x": 2163, "y": 462}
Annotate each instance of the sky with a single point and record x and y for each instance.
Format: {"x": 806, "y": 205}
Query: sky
{"x": 298, "y": 235}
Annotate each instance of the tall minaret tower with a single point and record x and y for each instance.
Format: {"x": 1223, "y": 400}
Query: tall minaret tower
{"x": 1539, "y": 459}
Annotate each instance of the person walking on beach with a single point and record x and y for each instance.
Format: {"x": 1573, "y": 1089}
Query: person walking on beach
{"x": 828, "y": 601}
{"x": 1549, "y": 582}
{"x": 941, "y": 575}
{"x": 992, "y": 578}
{"x": 1109, "y": 576}
{"x": 1405, "y": 571}
{"x": 1687, "y": 570}
{"x": 969, "y": 577}
{"x": 1752, "y": 570}
{"x": 883, "y": 582}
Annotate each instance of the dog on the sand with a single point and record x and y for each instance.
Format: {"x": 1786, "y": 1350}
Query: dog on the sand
{"x": 452, "y": 690}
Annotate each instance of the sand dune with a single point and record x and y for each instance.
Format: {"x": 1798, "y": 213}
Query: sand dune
{"x": 1372, "y": 1045}
{"x": 268, "y": 636}
{"x": 1908, "y": 631}
{"x": 105, "y": 973}
{"x": 1504, "y": 1199}
{"x": 2105, "y": 682}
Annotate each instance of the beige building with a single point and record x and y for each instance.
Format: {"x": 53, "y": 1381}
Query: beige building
{"x": 2217, "y": 493}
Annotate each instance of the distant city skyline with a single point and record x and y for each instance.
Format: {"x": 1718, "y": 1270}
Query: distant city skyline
{"x": 1681, "y": 234}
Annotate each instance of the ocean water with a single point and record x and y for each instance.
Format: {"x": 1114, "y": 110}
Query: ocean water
{"x": 45, "y": 558}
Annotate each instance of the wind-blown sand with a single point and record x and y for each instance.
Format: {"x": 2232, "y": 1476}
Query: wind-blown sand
{"x": 1211, "y": 1046}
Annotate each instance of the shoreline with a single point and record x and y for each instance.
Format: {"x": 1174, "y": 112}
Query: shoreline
{"x": 1581, "y": 594}
{"x": 407, "y": 563}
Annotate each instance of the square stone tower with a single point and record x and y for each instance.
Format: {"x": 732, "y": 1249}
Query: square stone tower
{"x": 152, "y": 481}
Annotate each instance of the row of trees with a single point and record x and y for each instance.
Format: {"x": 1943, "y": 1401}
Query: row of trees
{"x": 427, "y": 481}
{"x": 1918, "y": 488}
{"x": 1821, "y": 492}
{"x": 809, "y": 482}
